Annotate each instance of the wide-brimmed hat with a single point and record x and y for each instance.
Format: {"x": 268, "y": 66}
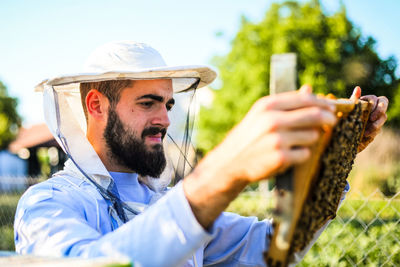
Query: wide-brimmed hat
{"x": 133, "y": 61}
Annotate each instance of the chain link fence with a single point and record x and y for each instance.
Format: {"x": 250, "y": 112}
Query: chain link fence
{"x": 365, "y": 232}
{"x": 11, "y": 189}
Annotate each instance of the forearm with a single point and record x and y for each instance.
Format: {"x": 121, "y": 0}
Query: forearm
{"x": 266, "y": 141}
{"x": 211, "y": 187}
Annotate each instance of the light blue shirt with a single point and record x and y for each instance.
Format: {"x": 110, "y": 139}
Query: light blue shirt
{"x": 131, "y": 189}
{"x": 66, "y": 216}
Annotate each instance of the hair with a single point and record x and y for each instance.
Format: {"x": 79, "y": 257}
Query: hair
{"x": 111, "y": 89}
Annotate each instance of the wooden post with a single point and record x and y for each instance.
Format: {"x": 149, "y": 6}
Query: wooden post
{"x": 282, "y": 79}
{"x": 283, "y": 73}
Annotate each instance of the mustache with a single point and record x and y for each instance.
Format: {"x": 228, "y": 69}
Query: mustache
{"x": 154, "y": 131}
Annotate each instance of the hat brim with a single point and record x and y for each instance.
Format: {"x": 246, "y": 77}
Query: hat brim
{"x": 183, "y": 77}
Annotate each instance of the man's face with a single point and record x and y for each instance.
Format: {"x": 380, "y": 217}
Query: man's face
{"x": 137, "y": 125}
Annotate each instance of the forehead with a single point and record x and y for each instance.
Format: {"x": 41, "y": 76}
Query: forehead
{"x": 162, "y": 87}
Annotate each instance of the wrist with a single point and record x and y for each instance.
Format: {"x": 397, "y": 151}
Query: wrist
{"x": 210, "y": 188}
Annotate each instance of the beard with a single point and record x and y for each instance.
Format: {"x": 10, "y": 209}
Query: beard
{"x": 130, "y": 151}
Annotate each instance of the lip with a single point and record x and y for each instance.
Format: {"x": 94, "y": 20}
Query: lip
{"x": 157, "y": 138}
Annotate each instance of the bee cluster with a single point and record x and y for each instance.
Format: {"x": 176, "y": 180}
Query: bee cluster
{"x": 336, "y": 164}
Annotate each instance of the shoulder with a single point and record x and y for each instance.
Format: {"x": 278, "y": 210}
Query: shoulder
{"x": 46, "y": 189}
{"x": 58, "y": 191}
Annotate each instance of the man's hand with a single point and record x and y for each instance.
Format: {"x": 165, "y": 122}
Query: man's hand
{"x": 376, "y": 119}
{"x": 275, "y": 134}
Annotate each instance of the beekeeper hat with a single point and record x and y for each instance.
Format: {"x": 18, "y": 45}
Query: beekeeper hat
{"x": 63, "y": 109}
{"x": 133, "y": 61}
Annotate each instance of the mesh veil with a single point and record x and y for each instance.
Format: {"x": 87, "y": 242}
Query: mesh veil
{"x": 180, "y": 149}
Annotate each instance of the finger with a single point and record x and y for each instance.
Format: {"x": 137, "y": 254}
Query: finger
{"x": 295, "y": 138}
{"x": 375, "y": 126}
{"x": 356, "y": 93}
{"x": 297, "y": 155}
{"x": 295, "y": 100}
{"x": 380, "y": 110}
{"x": 383, "y": 102}
{"x": 305, "y": 89}
{"x": 305, "y": 118}
{"x": 380, "y": 107}
{"x": 283, "y": 159}
{"x": 371, "y": 99}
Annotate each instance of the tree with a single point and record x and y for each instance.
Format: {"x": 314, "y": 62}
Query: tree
{"x": 10, "y": 121}
{"x": 332, "y": 55}
{"x": 394, "y": 109}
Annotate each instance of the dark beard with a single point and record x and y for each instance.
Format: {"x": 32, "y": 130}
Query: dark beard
{"x": 130, "y": 151}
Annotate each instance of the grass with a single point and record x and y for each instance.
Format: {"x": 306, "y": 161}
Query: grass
{"x": 365, "y": 232}
{"x": 8, "y": 205}
{"x": 7, "y": 238}
{"x": 352, "y": 245}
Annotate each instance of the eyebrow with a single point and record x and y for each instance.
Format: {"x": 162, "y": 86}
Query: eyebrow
{"x": 156, "y": 98}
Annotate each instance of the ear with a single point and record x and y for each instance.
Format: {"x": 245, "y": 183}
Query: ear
{"x": 97, "y": 105}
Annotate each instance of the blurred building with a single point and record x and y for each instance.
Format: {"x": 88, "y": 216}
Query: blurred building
{"x": 12, "y": 165}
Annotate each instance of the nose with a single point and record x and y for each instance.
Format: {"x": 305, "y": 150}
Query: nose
{"x": 162, "y": 118}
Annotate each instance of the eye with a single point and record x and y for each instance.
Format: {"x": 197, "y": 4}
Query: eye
{"x": 147, "y": 104}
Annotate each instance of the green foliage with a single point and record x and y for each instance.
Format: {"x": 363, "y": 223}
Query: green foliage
{"x": 333, "y": 56}
{"x": 251, "y": 204}
{"x": 10, "y": 121}
{"x": 367, "y": 211}
{"x": 394, "y": 110}
{"x": 391, "y": 185}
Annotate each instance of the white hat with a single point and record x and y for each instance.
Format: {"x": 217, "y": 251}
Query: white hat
{"x": 133, "y": 61}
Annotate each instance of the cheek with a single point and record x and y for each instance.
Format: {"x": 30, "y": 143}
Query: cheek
{"x": 135, "y": 122}
{"x": 134, "y": 118}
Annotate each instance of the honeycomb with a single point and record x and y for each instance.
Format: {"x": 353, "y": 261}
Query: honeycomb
{"x": 336, "y": 164}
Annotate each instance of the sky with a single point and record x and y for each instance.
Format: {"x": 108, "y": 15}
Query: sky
{"x": 44, "y": 38}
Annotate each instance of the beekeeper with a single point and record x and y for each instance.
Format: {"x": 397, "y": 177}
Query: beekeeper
{"x": 112, "y": 200}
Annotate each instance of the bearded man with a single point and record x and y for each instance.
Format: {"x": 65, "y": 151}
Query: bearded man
{"x": 112, "y": 200}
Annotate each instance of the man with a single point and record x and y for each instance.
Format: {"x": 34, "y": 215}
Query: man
{"x": 111, "y": 198}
